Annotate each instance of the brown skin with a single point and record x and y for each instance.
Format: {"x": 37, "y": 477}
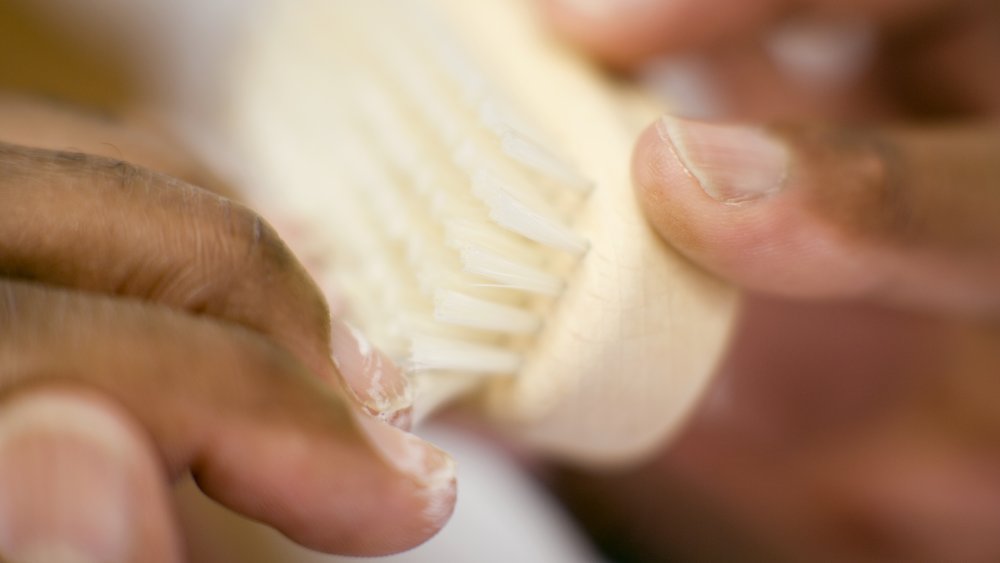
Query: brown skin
{"x": 854, "y": 418}
{"x": 138, "y": 296}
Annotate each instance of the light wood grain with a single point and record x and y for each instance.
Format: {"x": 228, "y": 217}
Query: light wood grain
{"x": 633, "y": 342}
{"x": 629, "y": 348}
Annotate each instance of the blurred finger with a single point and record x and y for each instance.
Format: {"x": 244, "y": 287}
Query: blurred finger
{"x": 904, "y": 216}
{"x": 109, "y": 226}
{"x": 59, "y": 125}
{"x": 260, "y": 433}
{"x": 627, "y": 32}
{"x": 80, "y": 483}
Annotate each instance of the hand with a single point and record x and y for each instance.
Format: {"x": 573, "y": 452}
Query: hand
{"x": 766, "y": 59}
{"x": 149, "y": 328}
{"x": 855, "y": 418}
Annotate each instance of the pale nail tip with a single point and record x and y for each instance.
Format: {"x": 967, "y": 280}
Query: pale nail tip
{"x": 687, "y": 85}
{"x": 381, "y": 403}
{"x": 364, "y": 346}
{"x": 439, "y": 497}
{"x": 427, "y": 465}
{"x": 402, "y": 418}
{"x": 670, "y": 130}
{"x": 431, "y": 466}
{"x": 444, "y": 475}
{"x": 48, "y": 413}
{"x": 398, "y": 413}
{"x": 439, "y": 507}
{"x": 822, "y": 55}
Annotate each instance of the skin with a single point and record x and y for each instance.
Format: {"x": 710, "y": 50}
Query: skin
{"x": 858, "y": 428}
{"x": 132, "y": 343}
{"x": 854, "y": 418}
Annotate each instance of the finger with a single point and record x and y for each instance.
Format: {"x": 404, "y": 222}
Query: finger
{"x": 376, "y": 383}
{"x": 904, "y": 216}
{"x": 60, "y": 125}
{"x": 79, "y": 482}
{"x": 625, "y": 33}
{"x": 746, "y": 82}
{"x": 260, "y": 433}
{"x": 108, "y": 226}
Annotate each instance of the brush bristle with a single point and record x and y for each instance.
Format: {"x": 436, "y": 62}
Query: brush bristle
{"x": 448, "y": 216}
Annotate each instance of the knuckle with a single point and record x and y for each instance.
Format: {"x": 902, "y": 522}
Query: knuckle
{"x": 249, "y": 250}
{"x": 253, "y": 263}
{"x": 264, "y": 250}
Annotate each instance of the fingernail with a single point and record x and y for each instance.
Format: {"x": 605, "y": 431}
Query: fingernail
{"x": 688, "y": 86}
{"x": 428, "y": 465}
{"x": 63, "y": 484}
{"x": 732, "y": 163}
{"x": 825, "y": 55}
{"x": 377, "y": 382}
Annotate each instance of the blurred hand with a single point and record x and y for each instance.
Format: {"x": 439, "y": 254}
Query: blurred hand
{"x": 855, "y": 418}
{"x": 149, "y": 328}
{"x": 766, "y": 59}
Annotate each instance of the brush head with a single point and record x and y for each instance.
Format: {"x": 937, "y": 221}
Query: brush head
{"x": 466, "y": 182}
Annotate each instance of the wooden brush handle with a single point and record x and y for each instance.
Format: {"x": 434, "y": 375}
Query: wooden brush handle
{"x": 628, "y": 348}
{"x": 632, "y": 343}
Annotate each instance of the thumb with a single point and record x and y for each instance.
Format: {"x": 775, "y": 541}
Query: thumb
{"x": 906, "y": 216}
{"x": 78, "y": 484}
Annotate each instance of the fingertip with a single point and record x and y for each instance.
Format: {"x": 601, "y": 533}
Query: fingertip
{"x": 679, "y": 210}
{"x": 348, "y": 485}
{"x": 720, "y": 194}
{"x": 422, "y": 482}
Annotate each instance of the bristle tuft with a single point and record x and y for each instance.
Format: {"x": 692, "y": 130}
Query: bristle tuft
{"x": 448, "y": 219}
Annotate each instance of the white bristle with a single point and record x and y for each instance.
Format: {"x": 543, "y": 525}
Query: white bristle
{"x": 452, "y": 307}
{"x": 500, "y": 118}
{"x": 447, "y": 221}
{"x": 430, "y": 353}
{"x": 508, "y": 273}
{"x": 525, "y": 220}
{"x": 531, "y": 154}
{"x": 463, "y": 233}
